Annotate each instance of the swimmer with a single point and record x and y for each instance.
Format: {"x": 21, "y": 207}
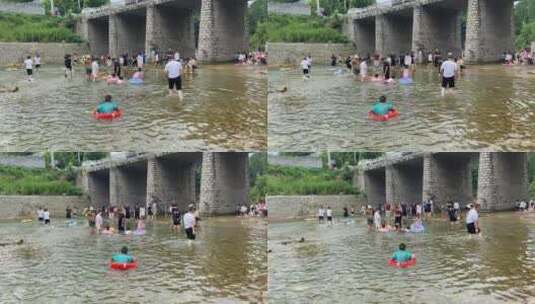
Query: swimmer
{"x": 385, "y": 228}
{"x": 122, "y": 257}
{"x": 138, "y": 75}
{"x": 301, "y": 240}
{"x": 107, "y": 106}
{"x": 113, "y": 79}
{"x": 9, "y": 89}
{"x": 376, "y": 78}
{"x": 402, "y": 255}
{"x": 19, "y": 242}
{"x": 107, "y": 229}
{"x": 382, "y": 106}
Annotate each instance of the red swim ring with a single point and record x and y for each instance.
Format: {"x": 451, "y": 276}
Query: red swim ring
{"x": 112, "y": 115}
{"x": 405, "y": 264}
{"x": 391, "y": 114}
{"x": 123, "y": 266}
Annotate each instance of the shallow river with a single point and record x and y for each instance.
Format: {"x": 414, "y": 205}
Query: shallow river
{"x": 492, "y": 108}
{"x": 224, "y": 108}
{"x": 60, "y": 264}
{"x": 344, "y": 263}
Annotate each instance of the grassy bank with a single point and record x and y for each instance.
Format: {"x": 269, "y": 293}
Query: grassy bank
{"x": 31, "y": 28}
{"x": 22, "y": 181}
{"x": 286, "y": 28}
{"x": 302, "y": 181}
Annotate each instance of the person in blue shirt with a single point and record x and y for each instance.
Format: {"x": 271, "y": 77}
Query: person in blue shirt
{"x": 402, "y": 255}
{"x": 122, "y": 257}
{"x": 382, "y": 107}
{"x": 107, "y": 106}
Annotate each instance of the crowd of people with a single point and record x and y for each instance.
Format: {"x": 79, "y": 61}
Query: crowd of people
{"x": 258, "y": 209}
{"x": 251, "y": 58}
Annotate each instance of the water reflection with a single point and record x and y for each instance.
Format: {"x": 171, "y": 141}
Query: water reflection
{"x": 224, "y": 109}
{"x": 347, "y": 264}
{"x": 492, "y": 108}
{"x": 227, "y": 264}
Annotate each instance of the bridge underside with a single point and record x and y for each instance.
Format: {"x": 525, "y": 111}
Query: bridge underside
{"x": 127, "y": 32}
{"x": 375, "y": 186}
{"x": 394, "y": 32}
{"x": 437, "y": 28}
{"x": 448, "y": 177}
{"x": 98, "y": 184}
{"x": 128, "y": 185}
{"x": 98, "y": 34}
{"x": 404, "y": 182}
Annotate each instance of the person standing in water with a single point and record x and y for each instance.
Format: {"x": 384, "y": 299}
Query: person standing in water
{"x": 321, "y": 214}
{"x": 37, "y": 61}
{"x": 329, "y": 215}
{"x": 28, "y": 65}
{"x": 98, "y": 221}
{"x": 94, "y": 69}
{"x": 68, "y": 66}
{"x": 472, "y": 219}
{"x": 174, "y": 72}
{"x": 190, "y": 223}
{"x": 306, "y": 68}
{"x": 46, "y": 216}
{"x": 448, "y": 69}
{"x": 364, "y": 69}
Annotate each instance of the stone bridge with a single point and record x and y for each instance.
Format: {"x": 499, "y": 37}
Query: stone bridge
{"x": 413, "y": 25}
{"x": 446, "y": 176}
{"x": 146, "y": 25}
{"x": 170, "y": 178}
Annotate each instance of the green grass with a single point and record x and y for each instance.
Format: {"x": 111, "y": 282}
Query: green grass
{"x": 23, "y": 181}
{"x": 301, "y": 181}
{"x": 285, "y": 28}
{"x": 31, "y": 28}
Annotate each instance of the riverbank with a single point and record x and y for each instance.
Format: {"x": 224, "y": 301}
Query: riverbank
{"x": 14, "y": 53}
{"x": 25, "y": 206}
{"x": 291, "y": 54}
{"x": 290, "y": 207}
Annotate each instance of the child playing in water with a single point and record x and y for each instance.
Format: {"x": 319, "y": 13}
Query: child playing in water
{"x": 138, "y": 75}
{"x": 113, "y": 79}
{"x": 402, "y": 255}
{"x": 107, "y": 106}
{"x": 382, "y": 107}
{"x": 122, "y": 257}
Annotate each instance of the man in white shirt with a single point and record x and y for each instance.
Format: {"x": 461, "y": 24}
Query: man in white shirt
{"x": 98, "y": 221}
{"x": 377, "y": 219}
{"x": 305, "y": 67}
{"x": 363, "y": 69}
{"x": 456, "y": 208}
{"x": 94, "y": 69}
{"x": 189, "y": 223}
{"x": 321, "y": 214}
{"x": 448, "y": 70}
{"x": 139, "y": 60}
{"x": 408, "y": 60}
{"x": 174, "y": 72}
{"x": 472, "y": 219}
{"x": 37, "y": 61}
{"x": 40, "y": 214}
{"x": 46, "y": 216}
{"x": 329, "y": 215}
{"x": 28, "y": 65}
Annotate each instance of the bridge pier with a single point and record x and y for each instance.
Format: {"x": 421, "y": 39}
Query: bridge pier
{"x": 447, "y": 177}
{"x": 96, "y": 31}
{"x": 128, "y": 185}
{"x": 223, "y": 30}
{"x": 170, "y": 182}
{"x": 364, "y": 36}
{"x": 404, "y": 182}
{"x": 127, "y": 33}
{"x": 489, "y": 30}
{"x": 503, "y": 179}
{"x": 169, "y": 27}
{"x": 393, "y": 33}
{"x": 436, "y": 28}
{"x": 375, "y": 186}
{"x": 224, "y": 182}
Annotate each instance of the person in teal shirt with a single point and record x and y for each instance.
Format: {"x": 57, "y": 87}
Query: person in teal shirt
{"x": 107, "y": 106}
{"x": 382, "y": 107}
{"x": 402, "y": 255}
{"x": 122, "y": 257}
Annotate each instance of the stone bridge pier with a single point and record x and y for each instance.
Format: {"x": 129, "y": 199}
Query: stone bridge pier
{"x": 171, "y": 179}
{"x": 394, "y": 32}
{"x": 503, "y": 179}
{"x": 97, "y": 31}
{"x": 364, "y": 35}
{"x": 127, "y": 32}
{"x": 375, "y": 185}
{"x": 436, "y": 27}
{"x": 404, "y": 182}
{"x": 223, "y": 30}
{"x": 447, "y": 177}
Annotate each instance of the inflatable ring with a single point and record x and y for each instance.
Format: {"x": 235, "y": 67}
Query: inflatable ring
{"x": 405, "y": 264}
{"x": 112, "y": 115}
{"x": 391, "y": 114}
{"x": 139, "y": 232}
{"x": 135, "y": 81}
{"x": 123, "y": 266}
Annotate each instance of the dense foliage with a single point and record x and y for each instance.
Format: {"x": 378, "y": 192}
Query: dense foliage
{"x": 257, "y": 15}
{"x": 286, "y": 28}
{"x": 525, "y": 22}
{"x": 31, "y": 28}
{"x": 23, "y": 181}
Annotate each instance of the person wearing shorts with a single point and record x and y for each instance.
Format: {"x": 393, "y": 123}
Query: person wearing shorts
{"x": 472, "y": 219}
{"x": 46, "y": 216}
{"x": 329, "y": 215}
{"x": 448, "y": 69}
{"x": 189, "y": 223}
{"x": 321, "y": 214}
{"x": 173, "y": 70}
{"x": 28, "y": 65}
{"x": 305, "y": 67}
{"x": 68, "y": 66}
{"x": 175, "y": 214}
{"x": 37, "y": 61}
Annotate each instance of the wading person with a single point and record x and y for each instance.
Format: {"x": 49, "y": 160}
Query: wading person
{"x": 68, "y": 66}
{"x": 321, "y": 214}
{"x": 28, "y": 65}
{"x": 472, "y": 219}
{"x": 174, "y": 71}
{"x": 306, "y": 68}
{"x": 329, "y": 215}
{"x": 175, "y": 216}
{"x": 190, "y": 223}
{"x": 448, "y": 69}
